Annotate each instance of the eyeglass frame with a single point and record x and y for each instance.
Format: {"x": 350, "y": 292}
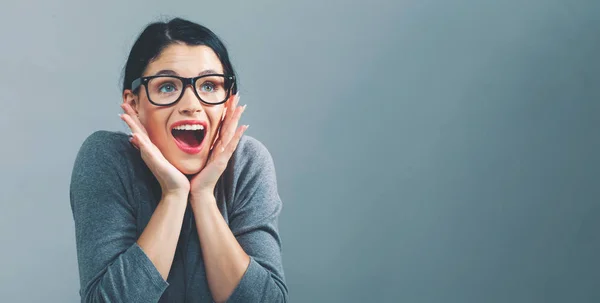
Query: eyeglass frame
{"x": 185, "y": 81}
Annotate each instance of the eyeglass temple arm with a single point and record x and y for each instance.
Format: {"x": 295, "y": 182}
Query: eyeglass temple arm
{"x": 136, "y": 83}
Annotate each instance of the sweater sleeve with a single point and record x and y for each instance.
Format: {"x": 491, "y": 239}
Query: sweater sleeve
{"x": 112, "y": 267}
{"x": 254, "y": 223}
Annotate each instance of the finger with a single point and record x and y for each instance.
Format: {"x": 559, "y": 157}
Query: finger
{"x": 131, "y": 112}
{"x": 231, "y": 125}
{"x": 135, "y": 127}
{"x": 230, "y": 111}
{"x": 230, "y": 104}
{"x": 215, "y": 141}
{"x": 231, "y": 107}
{"x": 217, "y": 138}
{"x": 133, "y": 141}
{"x": 213, "y": 152}
{"x": 234, "y": 122}
{"x": 146, "y": 147}
{"x": 232, "y": 145}
{"x": 222, "y": 154}
{"x": 218, "y": 134}
{"x": 140, "y": 141}
{"x": 150, "y": 154}
{"x": 223, "y": 130}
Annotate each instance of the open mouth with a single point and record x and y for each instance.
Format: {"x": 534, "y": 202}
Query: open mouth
{"x": 189, "y": 137}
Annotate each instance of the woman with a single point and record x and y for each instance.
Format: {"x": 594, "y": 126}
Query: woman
{"x": 184, "y": 209}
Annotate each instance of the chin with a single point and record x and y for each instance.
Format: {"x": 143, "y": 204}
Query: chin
{"x": 189, "y": 167}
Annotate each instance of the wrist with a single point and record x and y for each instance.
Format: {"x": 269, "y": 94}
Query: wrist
{"x": 175, "y": 195}
{"x": 202, "y": 198}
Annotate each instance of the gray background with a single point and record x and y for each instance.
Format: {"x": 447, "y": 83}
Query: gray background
{"x": 427, "y": 151}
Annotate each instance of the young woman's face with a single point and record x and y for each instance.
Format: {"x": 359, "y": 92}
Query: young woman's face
{"x": 187, "y": 150}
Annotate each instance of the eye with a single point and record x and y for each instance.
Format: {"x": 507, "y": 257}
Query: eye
{"x": 207, "y": 87}
{"x": 167, "y": 88}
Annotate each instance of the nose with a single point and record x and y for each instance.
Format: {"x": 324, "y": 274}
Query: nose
{"x": 189, "y": 103}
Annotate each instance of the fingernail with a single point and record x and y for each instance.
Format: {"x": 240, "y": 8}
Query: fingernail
{"x": 244, "y": 107}
{"x": 247, "y": 125}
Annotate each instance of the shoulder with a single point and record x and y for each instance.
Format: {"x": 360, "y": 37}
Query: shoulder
{"x": 250, "y": 171}
{"x": 103, "y": 150}
{"x": 251, "y": 156}
{"x": 250, "y": 179}
{"x": 105, "y": 141}
{"x": 251, "y": 146}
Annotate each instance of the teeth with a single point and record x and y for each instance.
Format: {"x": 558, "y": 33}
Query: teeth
{"x": 189, "y": 127}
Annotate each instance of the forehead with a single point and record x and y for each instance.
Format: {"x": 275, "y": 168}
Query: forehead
{"x": 185, "y": 60}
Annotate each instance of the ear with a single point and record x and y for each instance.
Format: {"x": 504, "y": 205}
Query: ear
{"x": 130, "y": 98}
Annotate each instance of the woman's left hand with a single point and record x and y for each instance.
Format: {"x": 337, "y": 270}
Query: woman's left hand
{"x": 203, "y": 183}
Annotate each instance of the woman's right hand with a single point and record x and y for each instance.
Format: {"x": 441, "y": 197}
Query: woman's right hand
{"x": 171, "y": 180}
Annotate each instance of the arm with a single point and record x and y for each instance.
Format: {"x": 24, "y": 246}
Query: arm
{"x": 113, "y": 267}
{"x": 225, "y": 260}
{"x": 159, "y": 238}
{"x": 243, "y": 260}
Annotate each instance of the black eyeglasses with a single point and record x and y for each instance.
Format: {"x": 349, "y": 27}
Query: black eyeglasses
{"x": 167, "y": 90}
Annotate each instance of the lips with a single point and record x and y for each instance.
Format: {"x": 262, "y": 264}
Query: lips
{"x": 189, "y": 135}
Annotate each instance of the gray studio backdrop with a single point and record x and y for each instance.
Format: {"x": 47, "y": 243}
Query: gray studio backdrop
{"x": 426, "y": 151}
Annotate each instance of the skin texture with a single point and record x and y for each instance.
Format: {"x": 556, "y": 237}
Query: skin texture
{"x": 184, "y": 177}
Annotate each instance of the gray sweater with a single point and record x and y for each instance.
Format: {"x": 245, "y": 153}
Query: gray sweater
{"x": 113, "y": 195}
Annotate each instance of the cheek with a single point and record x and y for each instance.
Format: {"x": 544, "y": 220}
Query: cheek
{"x": 214, "y": 117}
{"x": 154, "y": 121}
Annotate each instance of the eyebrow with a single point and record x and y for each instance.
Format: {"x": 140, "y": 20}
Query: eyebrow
{"x": 169, "y": 72}
{"x": 208, "y": 71}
